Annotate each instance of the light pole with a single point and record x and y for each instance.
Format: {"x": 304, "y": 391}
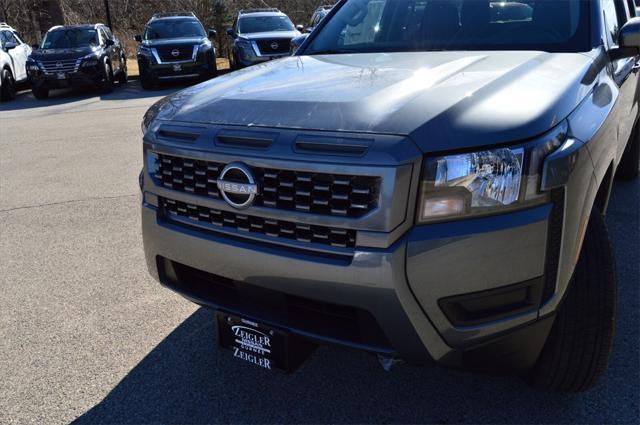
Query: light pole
{"x": 106, "y": 7}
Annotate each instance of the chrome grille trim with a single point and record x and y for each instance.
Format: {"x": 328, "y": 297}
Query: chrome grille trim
{"x": 317, "y": 193}
{"x": 66, "y": 66}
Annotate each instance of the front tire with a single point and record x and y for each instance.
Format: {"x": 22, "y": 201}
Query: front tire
{"x": 123, "y": 78}
{"x": 629, "y": 166}
{"x": 579, "y": 346}
{"x": 8, "y": 91}
{"x": 107, "y": 82}
{"x": 146, "y": 81}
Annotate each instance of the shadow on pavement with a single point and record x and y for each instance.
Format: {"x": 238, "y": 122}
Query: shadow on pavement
{"x": 187, "y": 379}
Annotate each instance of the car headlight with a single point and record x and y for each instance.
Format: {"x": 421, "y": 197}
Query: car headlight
{"x": 144, "y": 51}
{"x": 485, "y": 182}
{"x": 246, "y": 49}
{"x": 32, "y": 66}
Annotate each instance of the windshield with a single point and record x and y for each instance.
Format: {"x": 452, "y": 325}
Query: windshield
{"x": 70, "y": 39}
{"x": 174, "y": 28}
{"x": 424, "y": 25}
{"x": 254, "y": 24}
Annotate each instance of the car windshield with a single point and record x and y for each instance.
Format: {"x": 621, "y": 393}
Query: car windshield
{"x": 427, "y": 25}
{"x": 174, "y": 28}
{"x": 70, "y": 38}
{"x": 253, "y": 24}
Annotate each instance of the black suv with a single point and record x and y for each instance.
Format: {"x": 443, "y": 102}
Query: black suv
{"x": 76, "y": 56}
{"x": 175, "y": 46}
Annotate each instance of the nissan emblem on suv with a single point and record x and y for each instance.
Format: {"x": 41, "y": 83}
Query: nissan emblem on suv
{"x": 175, "y": 53}
{"x": 237, "y": 185}
{"x": 275, "y": 45}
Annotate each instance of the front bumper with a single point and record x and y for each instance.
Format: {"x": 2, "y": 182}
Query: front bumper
{"x": 83, "y": 78}
{"x": 204, "y": 68}
{"x": 391, "y": 294}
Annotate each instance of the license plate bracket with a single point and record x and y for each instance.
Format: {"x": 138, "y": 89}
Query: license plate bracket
{"x": 262, "y": 345}
{"x": 61, "y": 76}
{"x": 177, "y": 68}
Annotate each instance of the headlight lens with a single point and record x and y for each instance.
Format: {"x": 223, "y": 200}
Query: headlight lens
{"x": 246, "y": 49}
{"x": 485, "y": 182}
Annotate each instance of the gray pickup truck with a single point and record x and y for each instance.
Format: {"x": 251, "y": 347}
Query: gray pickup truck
{"x": 422, "y": 180}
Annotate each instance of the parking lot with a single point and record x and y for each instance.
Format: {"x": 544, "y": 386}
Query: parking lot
{"x": 86, "y": 334}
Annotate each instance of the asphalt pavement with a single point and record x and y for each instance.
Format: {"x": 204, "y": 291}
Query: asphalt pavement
{"x": 87, "y": 335}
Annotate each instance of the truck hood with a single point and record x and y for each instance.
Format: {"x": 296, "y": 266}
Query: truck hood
{"x": 173, "y": 41}
{"x": 270, "y": 35}
{"x": 62, "y": 54}
{"x": 442, "y": 100}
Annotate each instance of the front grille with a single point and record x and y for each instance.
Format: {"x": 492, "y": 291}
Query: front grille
{"x": 274, "y": 46}
{"x": 318, "y": 193}
{"x": 184, "y": 52}
{"x": 61, "y": 66}
{"x": 340, "y": 238}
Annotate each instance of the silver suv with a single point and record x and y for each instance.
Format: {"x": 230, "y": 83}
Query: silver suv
{"x": 422, "y": 180}
{"x": 260, "y": 35}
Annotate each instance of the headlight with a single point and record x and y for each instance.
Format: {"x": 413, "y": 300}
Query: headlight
{"x": 246, "y": 49}
{"x": 144, "y": 51}
{"x": 485, "y": 182}
{"x": 32, "y": 66}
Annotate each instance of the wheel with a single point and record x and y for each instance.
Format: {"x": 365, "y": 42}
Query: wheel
{"x": 124, "y": 73}
{"x": 40, "y": 93}
{"x": 579, "y": 345}
{"x": 630, "y": 162}
{"x": 8, "y": 91}
{"x": 146, "y": 82}
{"x": 107, "y": 82}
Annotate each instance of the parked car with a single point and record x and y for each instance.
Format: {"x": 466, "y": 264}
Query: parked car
{"x": 260, "y": 35}
{"x": 77, "y": 56}
{"x": 175, "y": 46}
{"x": 318, "y": 16}
{"x": 425, "y": 190}
{"x": 13, "y": 59}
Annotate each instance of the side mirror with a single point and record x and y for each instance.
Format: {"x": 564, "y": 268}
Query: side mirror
{"x": 628, "y": 40}
{"x": 297, "y": 42}
{"x": 299, "y": 27}
{"x": 212, "y": 32}
{"x": 230, "y": 32}
{"x": 138, "y": 38}
{"x": 10, "y": 45}
{"x": 108, "y": 42}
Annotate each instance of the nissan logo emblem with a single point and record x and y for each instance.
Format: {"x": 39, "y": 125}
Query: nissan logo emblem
{"x": 59, "y": 64}
{"x": 275, "y": 45}
{"x": 238, "y": 185}
{"x": 175, "y": 53}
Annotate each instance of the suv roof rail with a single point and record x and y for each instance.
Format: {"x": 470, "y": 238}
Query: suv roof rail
{"x": 258, "y": 10}
{"x": 173, "y": 15}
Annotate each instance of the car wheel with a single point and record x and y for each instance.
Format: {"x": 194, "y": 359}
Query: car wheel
{"x": 40, "y": 93}
{"x": 124, "y": 73}
{"x": 146, "y": 81}
{"x": 8, "y": 91}
{"x": 579, "y": 345}
{"x": 630, "y": 162}
{"x": 107, "y": 82}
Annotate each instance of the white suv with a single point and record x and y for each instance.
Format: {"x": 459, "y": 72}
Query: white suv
{"x": 13, "y": 58}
